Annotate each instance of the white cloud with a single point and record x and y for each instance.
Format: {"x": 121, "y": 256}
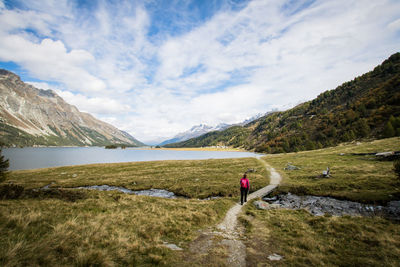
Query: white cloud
{"x": 96, "y": 105}
{"x": 49, "y": 60}
{"x": 41, "y": 85}
{"x": 394, "y": 25}
{"x": 236, "y": 64}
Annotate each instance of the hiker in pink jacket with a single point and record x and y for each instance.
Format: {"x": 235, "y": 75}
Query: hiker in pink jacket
{"x": 244, "y": 188}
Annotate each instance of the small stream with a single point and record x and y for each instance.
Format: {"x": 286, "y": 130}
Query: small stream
{"x": 151, "y": 192}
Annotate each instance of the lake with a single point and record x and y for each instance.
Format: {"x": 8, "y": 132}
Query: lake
{"x": 44, "y": 157}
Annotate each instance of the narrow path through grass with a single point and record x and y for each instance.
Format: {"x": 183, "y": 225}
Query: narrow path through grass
{"x": 228, "y": 235}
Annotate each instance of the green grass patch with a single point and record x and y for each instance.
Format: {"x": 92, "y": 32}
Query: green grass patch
{"x": 358, "y": 178}
{"x": 191, "y": 178}
{"x": 306, "y": 240}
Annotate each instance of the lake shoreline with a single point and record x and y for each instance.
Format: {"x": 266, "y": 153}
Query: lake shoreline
{"x": 228, "y": 149}
{"x": 31, "y": 158}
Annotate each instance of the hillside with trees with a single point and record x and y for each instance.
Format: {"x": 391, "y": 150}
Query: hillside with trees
{"x": 367, "y": 107}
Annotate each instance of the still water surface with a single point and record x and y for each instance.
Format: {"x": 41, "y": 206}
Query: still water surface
{"x": 44, "y": 157}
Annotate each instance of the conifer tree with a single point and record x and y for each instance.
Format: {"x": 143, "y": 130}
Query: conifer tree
{"x": 388, "y": 131}
{"x": 396, "y": 167}
{"x": 4, "y": 164}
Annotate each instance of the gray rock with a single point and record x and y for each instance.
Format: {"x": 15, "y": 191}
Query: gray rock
{"x": 384, "y": 154}
{"x": 290, "y": 167}
{"x": 262, "y": 205}
{"x": 268, "y": 199}
{"x": 172, "y": 246}
{"x": 394, "y": 204}
{"x": 275, "y": 257}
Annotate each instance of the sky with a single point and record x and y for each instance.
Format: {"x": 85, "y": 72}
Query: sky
{"x": 156, "y": 68}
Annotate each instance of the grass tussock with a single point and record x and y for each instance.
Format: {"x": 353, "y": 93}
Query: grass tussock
{"x": 191, "y": 178}
{"x": 357, "y": 178}
{"x": 104, "y": 229}
{"x": 11, "y": 191}
{"x": 305, "y": 240}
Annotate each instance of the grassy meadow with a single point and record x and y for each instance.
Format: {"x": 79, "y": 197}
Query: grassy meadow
{"x": 190, "y": 178}
{"x": 306, "y": 240}
{"x": 358, "y": 178}
{"x": 67, "y": 227}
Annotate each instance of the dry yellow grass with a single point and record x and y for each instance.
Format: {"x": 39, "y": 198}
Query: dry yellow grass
{"x": 358, "y": 178}
{"x": 114, "y": 229}
{"x": 105, "y": 229}
{"x": 305, "y": 240}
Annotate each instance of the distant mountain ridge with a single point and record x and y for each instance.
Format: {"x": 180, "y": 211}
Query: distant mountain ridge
{"x": 31, "y": 116}
{"x": 366, "y": 107}
{"x": 195, "y": 131}
{"x": 201, "y": 129}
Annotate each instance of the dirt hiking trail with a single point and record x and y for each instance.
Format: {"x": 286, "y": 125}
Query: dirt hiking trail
{"x": 226, "y": 243}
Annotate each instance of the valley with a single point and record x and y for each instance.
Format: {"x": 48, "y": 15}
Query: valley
{"x": 113, "y": 228}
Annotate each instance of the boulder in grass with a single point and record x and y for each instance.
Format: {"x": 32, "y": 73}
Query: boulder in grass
{"x": 290, "y": 167}
{"x": 262, "y": 205}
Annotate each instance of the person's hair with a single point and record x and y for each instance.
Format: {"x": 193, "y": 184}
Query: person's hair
{"x": 244, "y": 175}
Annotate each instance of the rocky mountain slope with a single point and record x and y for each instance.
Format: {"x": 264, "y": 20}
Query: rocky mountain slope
{"x": 367, "y": 107}
{"x": 31, "y": 116}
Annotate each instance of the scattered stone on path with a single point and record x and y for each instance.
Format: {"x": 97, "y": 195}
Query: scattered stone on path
{"x": 74, "y": 175}
{"x": 237, "y": 252}
{"x": 275, "y": 257}
{"x": 230, "y": 232}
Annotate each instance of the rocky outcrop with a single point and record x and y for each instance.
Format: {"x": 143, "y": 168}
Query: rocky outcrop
{"x": 319, "y": 206}
{"x": 28, "y": 113}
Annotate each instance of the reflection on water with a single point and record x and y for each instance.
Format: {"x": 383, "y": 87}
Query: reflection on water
{"x": 44, "y": 157}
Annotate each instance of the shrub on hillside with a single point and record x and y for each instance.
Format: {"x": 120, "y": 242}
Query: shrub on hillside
{"x": 396, "y": 166}
{"x": 4, "y": 164}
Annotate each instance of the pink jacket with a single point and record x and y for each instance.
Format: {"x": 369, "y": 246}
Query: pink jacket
{"x": 244, "y": 183}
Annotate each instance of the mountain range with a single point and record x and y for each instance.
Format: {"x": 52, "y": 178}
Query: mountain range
{"x": 368, "y": 107}
{"x": 201, "y": 129}
{"x": 31, "y": 116}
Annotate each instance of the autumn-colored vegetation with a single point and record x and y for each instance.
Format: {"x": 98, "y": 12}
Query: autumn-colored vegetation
{"x": 364, "y": 108}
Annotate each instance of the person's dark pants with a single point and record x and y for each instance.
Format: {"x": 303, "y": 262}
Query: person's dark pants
{"x": 243, "y": 195}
